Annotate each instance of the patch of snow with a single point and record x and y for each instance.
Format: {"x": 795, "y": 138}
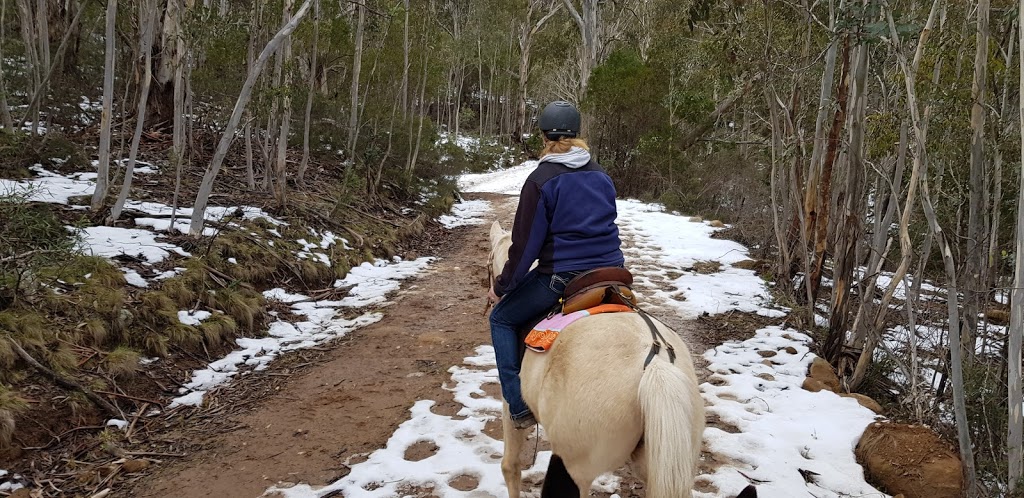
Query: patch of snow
{"x": 48, "y": 187}
{"x": 116, "y": 422}
{"x": 306, "y": 252}
{"x": 507, "y": 181}
{"x": 133, "y": 278}
{"x": 170, "y": 273}
{"x": 466, "y": 213}
{"x": 193, "y": 317}
{"x": 113, "y": 241}
{"x": 783, "y": 428}
{"x": 9, "y": 484}
{"x": 464, "y": 142}
{"x": 279, "y": 294}
{"x": 771, "y": 313}
{"x": 181, "y": 225}
{"x": 371, "y": 283}
{"x": 669, "y": 246}
{"x": 258, "y": 353}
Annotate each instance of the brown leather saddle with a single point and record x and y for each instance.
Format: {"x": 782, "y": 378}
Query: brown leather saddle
{"x": 591, "y": 288}
{"x": 611, "y": 285}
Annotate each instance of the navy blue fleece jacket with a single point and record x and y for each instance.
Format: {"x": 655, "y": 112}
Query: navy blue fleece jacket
{"x": 565, "y": 220}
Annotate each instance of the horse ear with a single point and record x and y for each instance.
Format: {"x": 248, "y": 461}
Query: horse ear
{"x": 496, "y": 232}
{"x": 748, "y": 492}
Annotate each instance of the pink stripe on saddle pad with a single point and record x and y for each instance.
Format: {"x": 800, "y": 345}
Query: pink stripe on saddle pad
{"x": 559, "y": 321}
{"x": 543, "y": 336}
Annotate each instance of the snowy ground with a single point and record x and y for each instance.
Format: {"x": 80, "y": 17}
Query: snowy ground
{"x": 783, "y": 432}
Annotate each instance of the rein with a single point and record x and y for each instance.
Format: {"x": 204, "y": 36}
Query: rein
{"x": 490, "y": 279}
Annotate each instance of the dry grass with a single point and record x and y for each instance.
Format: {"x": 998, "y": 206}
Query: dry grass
{"x": 122, "y": 362}
{"x": 10, "y": 405}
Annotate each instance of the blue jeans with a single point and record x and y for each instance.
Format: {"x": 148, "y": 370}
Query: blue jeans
{"x": 536, "y": 295}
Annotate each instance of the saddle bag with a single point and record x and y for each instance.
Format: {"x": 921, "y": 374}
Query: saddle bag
{"x": 599, "y": 286}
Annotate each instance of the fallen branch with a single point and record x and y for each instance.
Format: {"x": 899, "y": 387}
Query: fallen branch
{"x": 131, "y": 428}
{"x": 63, "y": 381}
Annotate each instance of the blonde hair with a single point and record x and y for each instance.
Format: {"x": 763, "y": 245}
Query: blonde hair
{"x": 562, "y": 145}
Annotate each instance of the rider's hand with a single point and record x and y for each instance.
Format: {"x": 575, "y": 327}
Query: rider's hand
{"x": 491, "y": 296}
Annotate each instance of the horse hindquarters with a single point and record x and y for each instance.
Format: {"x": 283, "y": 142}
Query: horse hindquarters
{"x": 671, "y": 449}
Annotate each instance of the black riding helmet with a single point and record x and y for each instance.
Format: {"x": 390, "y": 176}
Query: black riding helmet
{"x": 560, "y": 119}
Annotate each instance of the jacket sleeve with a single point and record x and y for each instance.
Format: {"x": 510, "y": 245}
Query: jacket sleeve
{"x": 528, "y": 234}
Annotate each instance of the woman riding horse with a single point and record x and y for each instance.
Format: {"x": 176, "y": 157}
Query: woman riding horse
{"x": 614, "y": 387}
{"x": 566, "y": 222}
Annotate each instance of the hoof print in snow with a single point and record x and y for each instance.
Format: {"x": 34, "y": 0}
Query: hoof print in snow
{"x": 464, "y": 482}
{"x": 910, "y": 459}
{"x": 417, "y": 491}
{"x": 420, "y": 450}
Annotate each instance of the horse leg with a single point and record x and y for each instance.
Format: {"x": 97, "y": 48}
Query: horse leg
{"x": 638, "y": 462}
{"x": 557, "y": 482}
{"x": 511, "y": 467}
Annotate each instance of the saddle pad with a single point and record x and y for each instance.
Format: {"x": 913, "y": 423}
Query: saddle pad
{"x": 544, "y": 333}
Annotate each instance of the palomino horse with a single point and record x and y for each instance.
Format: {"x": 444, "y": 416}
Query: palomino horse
{"x": 601, "y": 407}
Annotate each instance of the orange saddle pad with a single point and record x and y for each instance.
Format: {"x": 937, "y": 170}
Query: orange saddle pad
{"x": 544, "y": 334}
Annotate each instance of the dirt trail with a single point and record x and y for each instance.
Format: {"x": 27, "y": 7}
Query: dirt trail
{"x": 349, "y": 405}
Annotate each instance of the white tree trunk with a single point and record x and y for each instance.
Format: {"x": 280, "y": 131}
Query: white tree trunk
{"x": 405, "y": 62}
{"x": 587, "y": 20}
{"x": 175, "y": 9}
{"x": 103, "y": 166}
{"x": 357, "y": 64}
{"x": 526, "y": 32}
{"x": 920, "y": 175}
{"x": 147, "y": 18}
{"x": 250, "y": 176}
{"x": 414, "y": 155}
{"x": 281, "y": 162}
{"x": 309, "y": 98}
{"x": 1015, "y": 430}
{"x": 5, "y": 111}
{"x": 973, "y": 272}
{"x": 206, "y": 187}
{"x": 43, "y": 33}
{"x": 28, "y": 39}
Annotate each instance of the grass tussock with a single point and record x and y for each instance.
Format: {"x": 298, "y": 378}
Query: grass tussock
{"x": 218, "y": 329}
{"x": 10, "y": 405}
{"x": 122, "y": 362}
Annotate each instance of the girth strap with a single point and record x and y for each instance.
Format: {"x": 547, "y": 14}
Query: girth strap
{"x": 658, "y": 339}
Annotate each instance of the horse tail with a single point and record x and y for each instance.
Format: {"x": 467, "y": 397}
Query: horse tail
{"x": 672, "y": 410}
